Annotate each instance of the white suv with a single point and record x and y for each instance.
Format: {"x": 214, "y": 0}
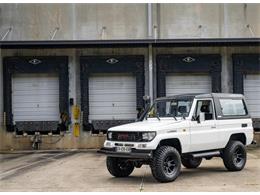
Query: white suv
{"x": 182, "y": 129}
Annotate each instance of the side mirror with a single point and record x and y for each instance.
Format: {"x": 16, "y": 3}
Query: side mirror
{"x": 202, "y": 117}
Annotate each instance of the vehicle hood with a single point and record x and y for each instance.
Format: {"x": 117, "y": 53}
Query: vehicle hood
{"x": 146, "y": 125}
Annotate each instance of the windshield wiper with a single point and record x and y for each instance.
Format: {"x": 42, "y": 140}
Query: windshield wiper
{"x": 174, "y": 118}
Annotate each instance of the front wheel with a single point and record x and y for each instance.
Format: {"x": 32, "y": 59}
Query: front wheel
{"x": 166, "y": 164}
{"x": 234, "y": 156}
{"x": 119, "y": 167}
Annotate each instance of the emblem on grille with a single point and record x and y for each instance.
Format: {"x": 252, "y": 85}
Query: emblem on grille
{"x": 188, "y": 59}
{"x": 35, "y": 61}
{"x": 112, "y": 61}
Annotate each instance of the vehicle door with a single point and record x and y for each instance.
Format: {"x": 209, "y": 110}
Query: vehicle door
{"x": 204, "y": 134}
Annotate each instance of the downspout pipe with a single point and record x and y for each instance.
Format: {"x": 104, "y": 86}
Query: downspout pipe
{"x": 149, "y": 21}
{"x": 150, "y": 49}
{"x": 150, "y": 61}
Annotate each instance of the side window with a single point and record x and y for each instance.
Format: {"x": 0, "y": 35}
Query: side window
{"x": 232, "y": 107}
{"x": 206, "y": 107}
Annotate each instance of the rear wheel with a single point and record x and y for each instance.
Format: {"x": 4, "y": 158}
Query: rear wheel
{"x": 119, "y": 167}
{"x": 191, "y": 163}
{"x": 234, "y": 156}
{"x": 166, "y": 164}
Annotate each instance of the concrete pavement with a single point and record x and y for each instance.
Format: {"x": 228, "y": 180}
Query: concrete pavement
{"x": 86, "y": 171}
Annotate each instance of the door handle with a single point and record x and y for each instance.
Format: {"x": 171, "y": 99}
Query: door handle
{"x": 213, "y": 127}
{"x": 244, "y": 125}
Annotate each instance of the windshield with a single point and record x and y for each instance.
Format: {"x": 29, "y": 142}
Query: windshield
{"x": 170, "y": 108}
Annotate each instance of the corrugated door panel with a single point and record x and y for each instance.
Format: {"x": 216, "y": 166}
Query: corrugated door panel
{"x": 112, "y": 97}
{"x": 179, "y": 84}
{"x": 35, "y": 97}
{"x": 252, "y": 94}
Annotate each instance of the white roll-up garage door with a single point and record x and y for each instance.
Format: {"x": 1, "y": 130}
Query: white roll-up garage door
{"x": 180, "y": 84}
{"x": 112, "y": 97}
{"x": 35, "y": 97}
{"x": 252, "y": 94}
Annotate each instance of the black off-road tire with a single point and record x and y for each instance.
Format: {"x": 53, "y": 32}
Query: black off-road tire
{"x": 119, "y": 167}
{"x": 234, "y": 156}
{"x": 191, "y": 163}
{"x": 166, "y": 164}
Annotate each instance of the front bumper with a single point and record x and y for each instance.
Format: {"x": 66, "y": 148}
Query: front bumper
{"x": 135, "y": 154}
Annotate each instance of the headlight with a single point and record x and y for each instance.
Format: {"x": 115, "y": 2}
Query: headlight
{"x": 109, "y": 135}
{"x": 148, "y": 136}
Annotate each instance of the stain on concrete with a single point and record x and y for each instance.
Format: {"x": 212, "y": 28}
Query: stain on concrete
{"x": 34, "y": 163}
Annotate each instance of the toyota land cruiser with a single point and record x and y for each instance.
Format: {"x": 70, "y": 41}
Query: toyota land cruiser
{"x": 182, "y": 129}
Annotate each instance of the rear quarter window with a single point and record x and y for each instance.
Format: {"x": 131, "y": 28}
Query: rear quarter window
{"x": 233, "y": 107}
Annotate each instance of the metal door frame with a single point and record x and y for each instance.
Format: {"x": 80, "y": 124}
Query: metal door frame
{"x": 188, "y": 63}
{"x": 35, "y": 64}
{"x": 110, "y": 64}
